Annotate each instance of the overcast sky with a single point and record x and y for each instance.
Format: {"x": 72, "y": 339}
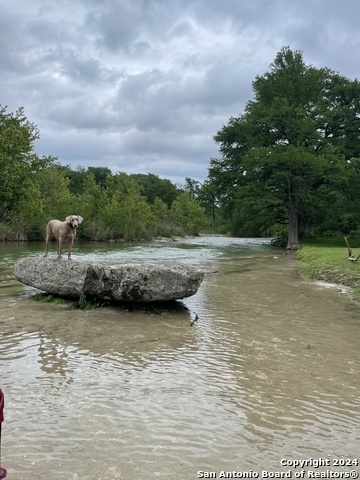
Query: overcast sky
{"x": 142, "y": 86}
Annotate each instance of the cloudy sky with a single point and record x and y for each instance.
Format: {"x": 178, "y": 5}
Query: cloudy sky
{"x": 142, "y": 86}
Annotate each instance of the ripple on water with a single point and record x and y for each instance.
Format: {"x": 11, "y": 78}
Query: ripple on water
{"x": 268, "y": 371}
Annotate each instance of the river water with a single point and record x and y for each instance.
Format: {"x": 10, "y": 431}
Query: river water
{"x": 267, "y": 375}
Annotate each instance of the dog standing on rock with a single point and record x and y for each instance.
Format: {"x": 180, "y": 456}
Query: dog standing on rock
{"x": 62, "y": 231}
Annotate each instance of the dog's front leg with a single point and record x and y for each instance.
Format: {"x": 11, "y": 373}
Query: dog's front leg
{"x": 71, "y": 242}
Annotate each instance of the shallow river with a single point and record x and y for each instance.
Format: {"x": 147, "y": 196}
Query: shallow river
{"x": 268, "y": 374}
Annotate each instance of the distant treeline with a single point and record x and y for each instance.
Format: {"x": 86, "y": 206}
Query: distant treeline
{"x": 114, "y": 206}
{"x": 117, "y": 206}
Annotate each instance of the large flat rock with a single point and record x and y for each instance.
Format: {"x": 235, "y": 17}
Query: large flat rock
{"x": 135, "y": 282}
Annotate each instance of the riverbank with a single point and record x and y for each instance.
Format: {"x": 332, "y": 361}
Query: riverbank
{"x": 331, "y": 265}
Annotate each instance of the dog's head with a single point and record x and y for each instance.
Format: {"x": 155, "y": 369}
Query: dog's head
{"x": 74, "y": 220}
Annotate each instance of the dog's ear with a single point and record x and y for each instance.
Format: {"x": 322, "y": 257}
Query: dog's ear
{"x": 80, "y": 218}
{"x": 68, "y": 219}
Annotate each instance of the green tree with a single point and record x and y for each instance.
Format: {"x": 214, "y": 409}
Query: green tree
{"x": 208, "y": 198}
{"x": 91, "y": 205}
{"x": 18, "y": 168}
{"x": 164, "y": 226}
{"x": 189, "y": 214}
{"x": 100, "y": 174}
{"x": 289, "y": 149}
{"x": 56, "y": 198}
{"x": 128, "y": 212}
{"x": 50, "y": 198}
{"x": 192, "y": 187}
{"x": 77, "y": 178}
{"x": 151, "y": 186}
{"x": 206, "y": 194}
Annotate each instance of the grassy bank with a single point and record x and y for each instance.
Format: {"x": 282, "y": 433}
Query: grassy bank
{"x": 331, "y": 264}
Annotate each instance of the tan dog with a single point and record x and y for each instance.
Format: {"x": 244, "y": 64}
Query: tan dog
{"x": 62, "y": 231}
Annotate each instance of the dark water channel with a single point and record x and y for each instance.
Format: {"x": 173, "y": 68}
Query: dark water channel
{"x": 270, "y": 371}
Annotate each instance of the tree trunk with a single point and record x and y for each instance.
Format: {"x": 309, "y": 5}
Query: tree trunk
{"x": 213, "y": 219}
{"x": 293, "y": 227}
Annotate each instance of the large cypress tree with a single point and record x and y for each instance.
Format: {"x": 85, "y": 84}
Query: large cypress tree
{"x": 294, "y": 144}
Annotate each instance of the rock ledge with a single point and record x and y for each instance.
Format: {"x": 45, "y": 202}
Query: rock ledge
{"x": 133, "y": 282}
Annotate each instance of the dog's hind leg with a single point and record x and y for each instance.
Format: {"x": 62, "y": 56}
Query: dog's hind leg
{"x": 46, "y": 246}
{"x": 59, "y": 247}
{"x": 48, "y": 238}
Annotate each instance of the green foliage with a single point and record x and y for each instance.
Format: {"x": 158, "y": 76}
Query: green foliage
{"x": 128, "y": 212}
{"x": 115, "y": 207}
{"x": 19, "y": 193}
{"x": 192, "y": 187}
{"x": 16, "y": 158}
{"x": 164, "y": 226}
{"x": 56, "y": 198}
{"x": 188, "y": 212}
{"x": 100, "y": 175}
{"x": 76, "y": 178}
{"x": 91, "y": 205}
{"x": 295, "y": 146}
{"x": 152, "y": 187}
{"x": 208, "y": 198}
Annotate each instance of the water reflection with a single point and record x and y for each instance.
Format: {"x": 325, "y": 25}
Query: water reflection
{"x": 270, "y": 370}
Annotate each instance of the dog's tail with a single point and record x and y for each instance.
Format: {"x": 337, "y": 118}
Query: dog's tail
{"x": 48, "y": 230}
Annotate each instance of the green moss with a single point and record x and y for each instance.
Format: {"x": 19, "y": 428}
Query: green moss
{"x": 87, "y": 303}
{"x": 82, "y": 303}
{"x": 49, "y": 298}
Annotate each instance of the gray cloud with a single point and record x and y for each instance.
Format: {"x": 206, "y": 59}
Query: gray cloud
{"x": 143, "y": 86}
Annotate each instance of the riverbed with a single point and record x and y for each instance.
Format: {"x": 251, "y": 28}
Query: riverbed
{"x": 268, "y": 373}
